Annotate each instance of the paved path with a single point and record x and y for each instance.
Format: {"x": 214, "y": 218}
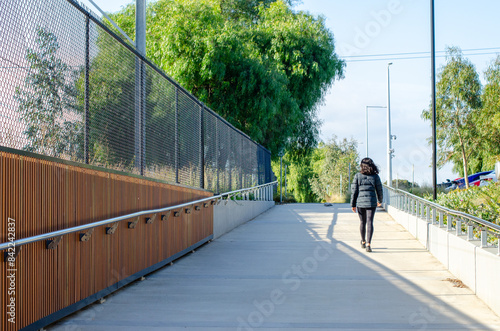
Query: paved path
{"x": 296, "y": 267}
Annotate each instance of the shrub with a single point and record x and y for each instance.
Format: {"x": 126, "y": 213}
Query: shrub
{"x": 482, "y": 202}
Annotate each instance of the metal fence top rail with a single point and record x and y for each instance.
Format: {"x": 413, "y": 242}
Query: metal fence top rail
{"x": 53, "y": 234}
{"x": 456, "y": 213}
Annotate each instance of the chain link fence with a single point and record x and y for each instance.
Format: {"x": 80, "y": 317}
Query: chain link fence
{"x": 72, "y": 89}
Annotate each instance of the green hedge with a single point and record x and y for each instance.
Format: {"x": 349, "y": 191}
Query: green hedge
{"x": 482, "y": 202}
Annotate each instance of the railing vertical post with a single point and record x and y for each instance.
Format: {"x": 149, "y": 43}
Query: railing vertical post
{"x": 449, "y": 222}
{"x": 87, "y": 92}
{"x": 176, "y": 138}
{"x": 229, "y": 170}
{"x": 240, "y": 162}
{"x": 428, "y": 213}
{"x": 484, "y": 238}
{"x": 441, "y": 219}
{"x": 140, "y": 114}
{"x": 470, "y": 232}
{"x": 434, "y": 212}
{"x": 202, "y": 149}
{"x": 458, "y": 227}
{"x": 217, "y": 152}
{"x": 140, "y": 86}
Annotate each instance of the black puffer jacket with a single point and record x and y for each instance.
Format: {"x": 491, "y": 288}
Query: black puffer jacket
{"x": 366, "y": 191}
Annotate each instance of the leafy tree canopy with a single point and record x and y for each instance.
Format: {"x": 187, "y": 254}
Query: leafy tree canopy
{"x": 47, "y": 101}
{"x": 458, "y": 104}
{"x": 330, "y": 163}
{"x": 259, "y": 64}
{"x": 489, "y": 118}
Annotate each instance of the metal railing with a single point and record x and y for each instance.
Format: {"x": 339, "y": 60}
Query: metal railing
{"x": 262, "y": 192}
{"x": 474, "y": 228}
{"x": 74, "y": 90}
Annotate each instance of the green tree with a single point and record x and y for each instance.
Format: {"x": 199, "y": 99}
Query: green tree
{"x": 47, "y": 101}
{"x": 489, "y": 119}
{"x": 112, "y": 110}
{"x": 303, "y": 49}
{"x": 458, "y": 103}
{"x": 404, "y": 184}
{"x": 330, "y": 162}
{"x": 264, "y": 68}
{"x": 298, "y": 172}
{"x": 246, "y": 9}
{"x": 112, "y": 104}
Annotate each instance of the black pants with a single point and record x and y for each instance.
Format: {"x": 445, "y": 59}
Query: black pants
{"x": 366, "y": 216}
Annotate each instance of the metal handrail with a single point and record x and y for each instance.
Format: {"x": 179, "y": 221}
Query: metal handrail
{"x": 48, "y": 235}
{"x": 447, "y": 210}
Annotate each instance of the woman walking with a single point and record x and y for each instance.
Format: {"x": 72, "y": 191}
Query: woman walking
{"x": 366, "y": 195}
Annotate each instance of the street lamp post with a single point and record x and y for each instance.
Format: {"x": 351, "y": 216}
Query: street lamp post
{"x": 389, "y": 136}
{"x": 366, "y": 122}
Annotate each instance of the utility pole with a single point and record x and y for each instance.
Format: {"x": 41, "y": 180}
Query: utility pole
{"x": 349, "y": 183}
{"x": 340, "y": 185}
{"x": 412, "y": 176}
{"x": 389, "y": 136}
{"x": 285, "y": 181}
{"x": 433, "y": 75}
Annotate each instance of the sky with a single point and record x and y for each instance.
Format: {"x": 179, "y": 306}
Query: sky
{"x": 368, "y": 35}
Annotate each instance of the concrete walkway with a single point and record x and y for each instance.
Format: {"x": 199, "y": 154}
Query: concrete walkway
{"x": 296, "y": 267}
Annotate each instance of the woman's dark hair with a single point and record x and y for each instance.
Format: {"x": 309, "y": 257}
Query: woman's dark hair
{"x": 368, "y": 167}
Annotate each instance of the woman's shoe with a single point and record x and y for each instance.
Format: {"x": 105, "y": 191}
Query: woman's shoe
{"x": 363, "y": 245}
{"x": 368, "y": 248}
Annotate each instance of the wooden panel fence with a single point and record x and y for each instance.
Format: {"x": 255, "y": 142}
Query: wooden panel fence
{"x": 41, "y": 195}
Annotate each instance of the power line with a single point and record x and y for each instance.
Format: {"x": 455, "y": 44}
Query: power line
{"x": 414, "y": 57}
{"x": 417, "y": 53}
{"x": 393, "y": 54}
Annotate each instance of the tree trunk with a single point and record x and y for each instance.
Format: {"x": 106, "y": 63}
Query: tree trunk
{"x": 466, "y": 175}
{"x": 464, "y": 156}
